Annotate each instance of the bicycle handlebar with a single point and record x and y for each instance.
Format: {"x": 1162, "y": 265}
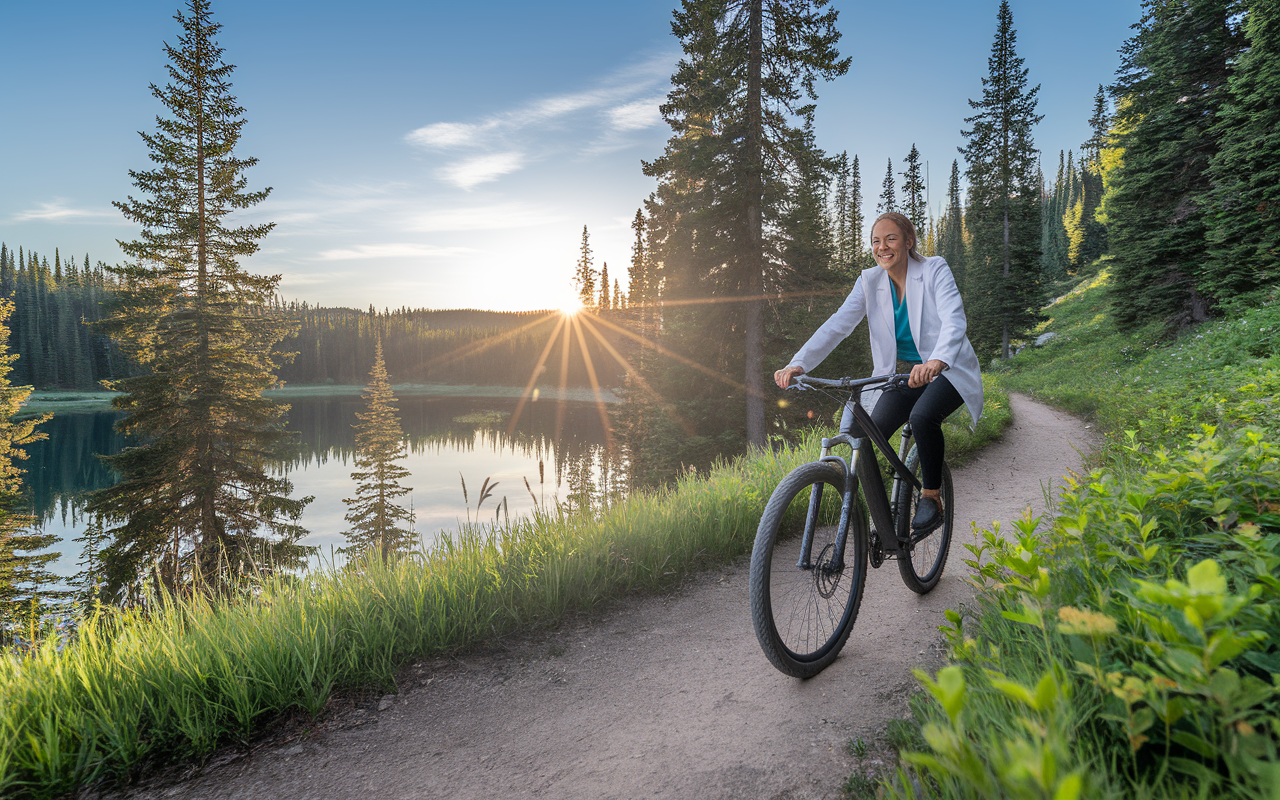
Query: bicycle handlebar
{"x": 809, "y": 382}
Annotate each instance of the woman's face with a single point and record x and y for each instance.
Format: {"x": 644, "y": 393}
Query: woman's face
{"x": 889, "y": 245}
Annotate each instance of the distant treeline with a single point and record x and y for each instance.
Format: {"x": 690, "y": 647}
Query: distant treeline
{"x": 56, "y": 304}
{"x": 492, "y": 348}
{"x": 52, "y": 303}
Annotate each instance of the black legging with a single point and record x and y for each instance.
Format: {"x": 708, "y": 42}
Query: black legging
{"x": 926, "y": 407}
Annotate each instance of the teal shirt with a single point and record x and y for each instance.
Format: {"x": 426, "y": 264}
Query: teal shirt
{"x": 902, "y": 326}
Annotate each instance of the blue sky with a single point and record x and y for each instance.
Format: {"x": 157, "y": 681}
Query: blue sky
{"x": 447, "y": 155}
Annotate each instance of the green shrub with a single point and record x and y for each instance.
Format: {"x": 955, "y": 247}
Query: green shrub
{"x": 1128, "y": 647}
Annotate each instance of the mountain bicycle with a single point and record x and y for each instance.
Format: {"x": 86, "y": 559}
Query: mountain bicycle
{"x": 826, "y": 520}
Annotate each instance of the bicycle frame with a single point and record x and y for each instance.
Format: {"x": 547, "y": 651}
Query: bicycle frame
{"x": 864, "y": 467}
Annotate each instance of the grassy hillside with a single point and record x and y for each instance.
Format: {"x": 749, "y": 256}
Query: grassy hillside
{"x": 1129, "y": 648}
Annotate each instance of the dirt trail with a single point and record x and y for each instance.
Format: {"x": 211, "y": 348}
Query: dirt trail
{"x": 667, "y": 697}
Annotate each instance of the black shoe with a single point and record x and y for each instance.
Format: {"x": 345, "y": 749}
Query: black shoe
{"x": 928, "y": 515}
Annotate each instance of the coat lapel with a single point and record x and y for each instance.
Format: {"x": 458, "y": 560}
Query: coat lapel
{"x": 915, "y": 301}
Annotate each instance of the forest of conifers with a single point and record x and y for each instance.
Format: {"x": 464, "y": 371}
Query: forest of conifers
{"x": 58, "y": 347}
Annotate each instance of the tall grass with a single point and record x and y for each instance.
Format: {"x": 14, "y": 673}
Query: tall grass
{"x": 130, "y": 690}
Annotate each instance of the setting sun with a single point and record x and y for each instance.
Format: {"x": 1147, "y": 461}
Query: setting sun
{"x": 571, "y": 305}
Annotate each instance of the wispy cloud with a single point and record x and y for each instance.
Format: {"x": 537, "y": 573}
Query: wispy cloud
{"x": 471, "y": 172}
{"x": 392, "y": 250}
{"x": 500, "y": 216}
{"x": 622, "y": 102}
{"x": 448, "y": 134}
{"x": 59, "y": 211}
{"x": 636, "y": 115}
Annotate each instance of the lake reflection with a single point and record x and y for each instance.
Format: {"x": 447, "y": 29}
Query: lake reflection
{"x": 449, "y": 439}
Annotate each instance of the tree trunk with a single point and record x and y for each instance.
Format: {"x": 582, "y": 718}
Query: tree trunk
{"x": 754, "y": 350}
{"x": 1004, "y": 288}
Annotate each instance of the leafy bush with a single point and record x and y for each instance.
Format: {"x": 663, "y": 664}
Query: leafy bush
{"x": 1128, "y": 647}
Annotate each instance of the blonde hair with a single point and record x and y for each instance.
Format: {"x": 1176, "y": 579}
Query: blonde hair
{"x": 905, "y": 227}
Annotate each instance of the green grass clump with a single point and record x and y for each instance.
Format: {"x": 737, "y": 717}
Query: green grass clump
{"x": 1130, "y": 647}
{"x": 131, "y": 690}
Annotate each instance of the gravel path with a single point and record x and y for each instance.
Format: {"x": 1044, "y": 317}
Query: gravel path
{"x": 665, "y": 697}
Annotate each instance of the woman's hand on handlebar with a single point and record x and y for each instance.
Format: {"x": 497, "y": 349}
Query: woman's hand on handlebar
{"x": 923, "y": 374}
{"x": 784, "y": 376}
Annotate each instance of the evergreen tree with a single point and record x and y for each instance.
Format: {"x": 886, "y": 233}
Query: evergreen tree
{"x": 750, "y": 67}
{"x": 844, "y": 244}
{"x": 24, "y": 576}
{"x": 585, "y": 276}
{"x": 619, "y": 302}
{"x": 913, "y": 192}
{"x": 859, "y": 256}
{"x": 1172, "y": 83}
{"x": 1093, "y": 240}
{"x": 638, "y": 274}
{"x": 374, "y": 514}
{"x": 195, "y": 498}
{"x": 888, "y": 198}
{"x": 951, "y": 236}
{"x": 1004, "y": 200}
{"x": 603, "y": 304}
{"x": 1054, "y": 242}
{"x": 1244, "y": 232}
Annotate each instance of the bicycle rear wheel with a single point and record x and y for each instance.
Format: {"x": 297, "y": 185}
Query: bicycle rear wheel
{"x": 922, "y": 561}
{"x": 803, "y": 615}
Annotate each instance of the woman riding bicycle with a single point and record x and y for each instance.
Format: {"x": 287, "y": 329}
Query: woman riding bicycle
{"x": 914, "y": 315}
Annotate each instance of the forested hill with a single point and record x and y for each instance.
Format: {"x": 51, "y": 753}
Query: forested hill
{"x": 493, "y": 348}
{"x": 56, "y": 302}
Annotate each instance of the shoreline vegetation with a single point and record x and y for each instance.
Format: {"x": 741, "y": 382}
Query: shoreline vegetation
{"x": 1130, "y": 646}
{"x": 132, "y": 690}
{"x": 42, "y": 402}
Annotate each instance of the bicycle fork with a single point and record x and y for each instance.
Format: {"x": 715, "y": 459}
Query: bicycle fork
{"x": 849, "y": 496}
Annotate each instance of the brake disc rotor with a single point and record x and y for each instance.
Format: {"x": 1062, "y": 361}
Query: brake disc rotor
{"x": 827, "y": 575}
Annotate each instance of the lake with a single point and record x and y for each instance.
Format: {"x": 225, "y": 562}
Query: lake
{"x": 450, "y": 439}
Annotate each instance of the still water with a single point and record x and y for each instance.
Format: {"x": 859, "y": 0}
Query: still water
{"x": 450, "y": 440}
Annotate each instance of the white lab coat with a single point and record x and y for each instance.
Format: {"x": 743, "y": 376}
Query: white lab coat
{"x": 937, "y": 319}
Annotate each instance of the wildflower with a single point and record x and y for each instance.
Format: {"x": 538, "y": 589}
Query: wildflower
{"x": 1083, "y": 622}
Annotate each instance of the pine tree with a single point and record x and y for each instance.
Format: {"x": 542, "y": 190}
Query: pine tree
{"x": 1053, "y": 241}
{"x": 619, "y": 302}
{"x": 195, "y": 498}
{"x": 1172, "y": 83}
{"x": 913, "y": 192}
{"x": 1094, "y": 236}
{"x": 1004, "y": 200}
{"x": 859, "y": 257}
{"x": 585, "y": 276}
{"x": 888, "y": 199}
{"x": 750, "y": 68}
{"x": 23, "y": 569}
{"x": 603, "y": 303}
{"x": 638, "y": 277}
{"x": 844, "y": 244}
{"x": 374, "y": 514}
{"x": 1244, "y": 232}
{"x": 951, "y": 236}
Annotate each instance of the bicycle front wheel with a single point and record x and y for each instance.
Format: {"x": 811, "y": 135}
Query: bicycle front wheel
{"x": 803, "y": 611}
{"x": 924, "y": 557}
